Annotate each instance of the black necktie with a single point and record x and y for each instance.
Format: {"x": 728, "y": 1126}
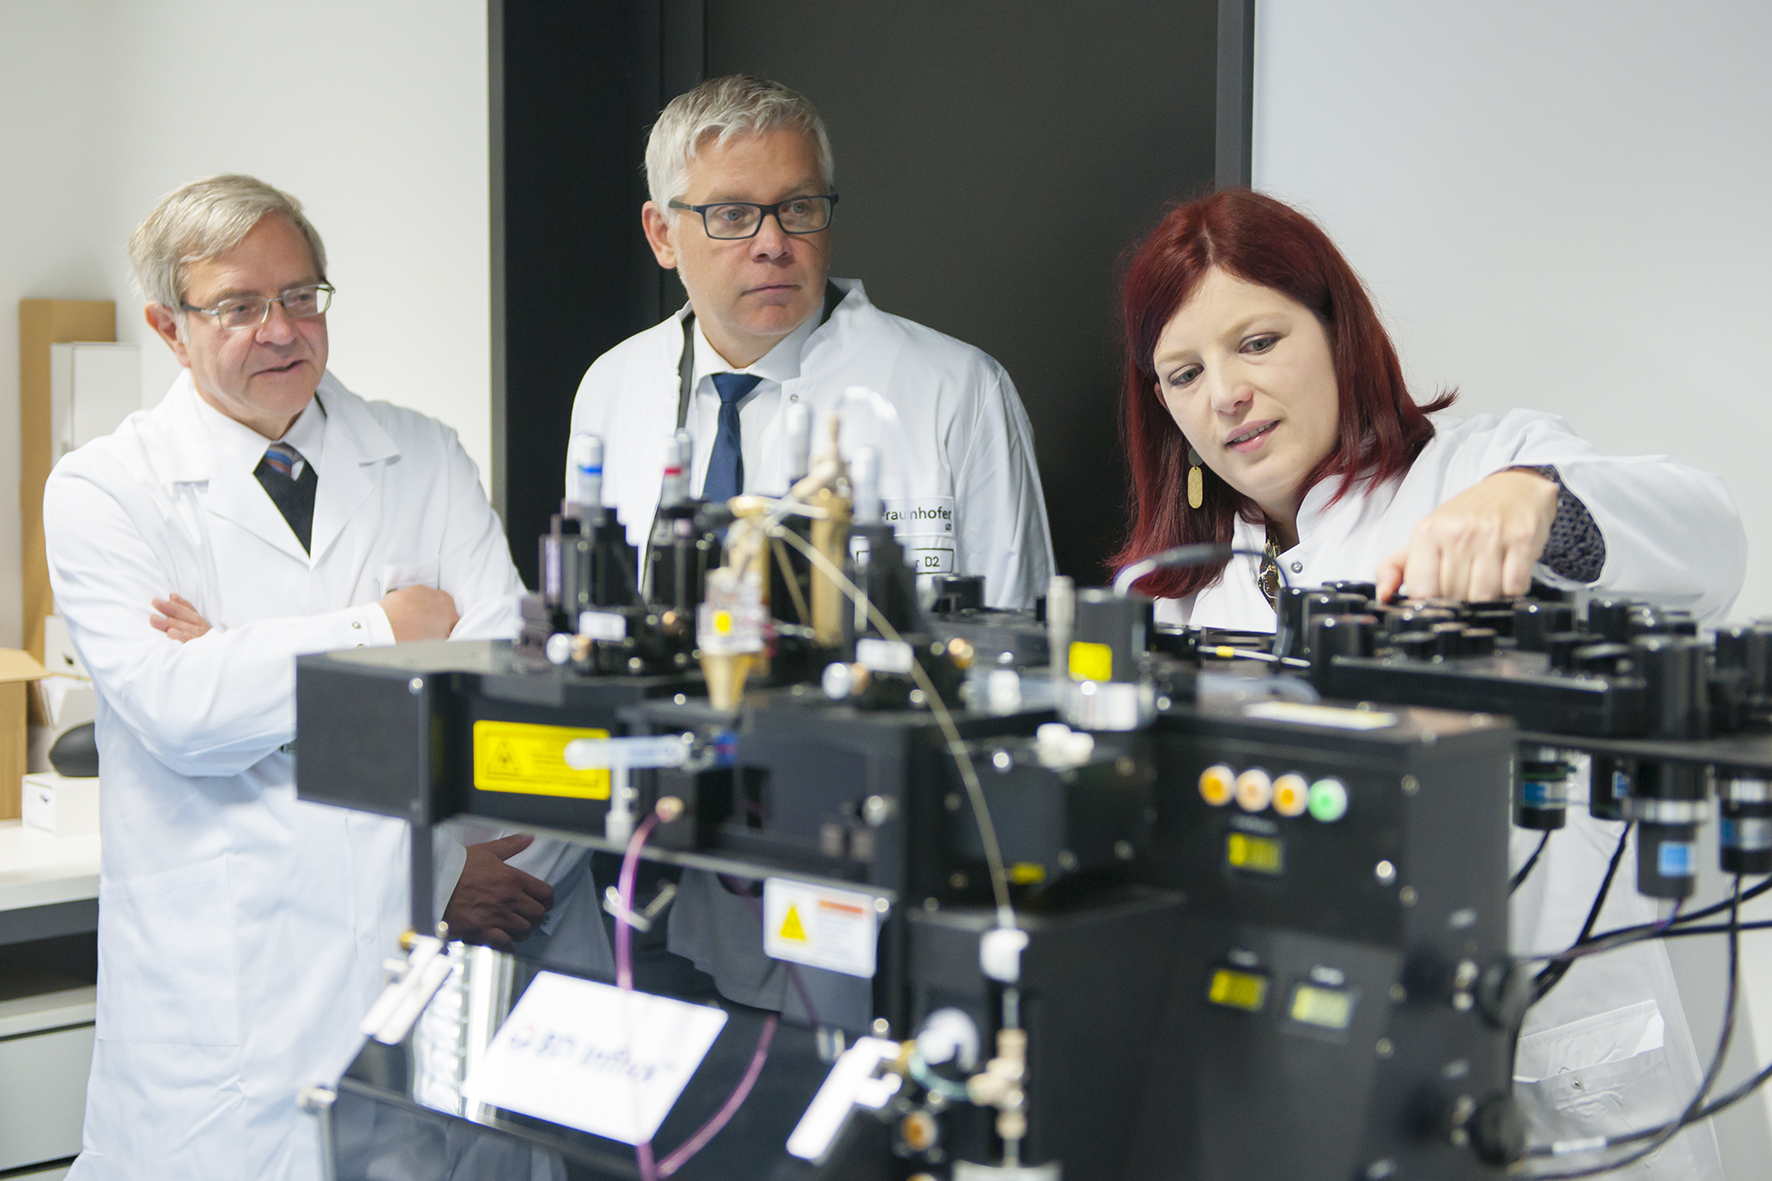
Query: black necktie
{"x": 725, "y": 477}
{"x": 294, "y": 497}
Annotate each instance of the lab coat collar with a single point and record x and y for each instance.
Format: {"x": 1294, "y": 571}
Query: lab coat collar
{"x": 353, "y": 439}
{"x": 824, "y": 349}
{"x": 200, "y": 446}
{"x": 780, "y": 364}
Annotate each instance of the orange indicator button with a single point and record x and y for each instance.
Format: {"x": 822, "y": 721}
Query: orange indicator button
{"x": 1291, "y": 794}
{"x": 1218, "y": 785}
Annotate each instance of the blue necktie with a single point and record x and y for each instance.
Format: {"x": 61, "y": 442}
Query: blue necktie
{"x": 293, "y": 496}
{"x": 725, "y": 477}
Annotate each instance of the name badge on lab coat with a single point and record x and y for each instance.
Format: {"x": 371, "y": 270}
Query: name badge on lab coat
{"x": 925, "y": 526}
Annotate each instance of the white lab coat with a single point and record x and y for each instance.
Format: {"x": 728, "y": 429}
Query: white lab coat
{"x": 241, "y": 931}
{"x": 963, "y": 484}
{"x": 1611, "y": 1043}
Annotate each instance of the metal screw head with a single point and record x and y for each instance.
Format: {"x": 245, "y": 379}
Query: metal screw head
{"x": 957, "y": 881}
{"x": 415, "y": 686}
{"x": 635, "y": 664}
{"x": 1123, "y": 850}
{"x": 1411, "y": 785}
{"x": 1385, "y": 1048}
{"x": 1067, "y": 860}
{"x": 1002, "y": 760}
{"x": 877, "y": 810}
{"x": 1385, "y": 872}
{"x": 881, "y": 906}
{"x": 682, "y": 699}
{"x": 1406, "y": 895}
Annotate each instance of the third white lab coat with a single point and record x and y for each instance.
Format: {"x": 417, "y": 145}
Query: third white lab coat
{"x": 965, "y": 485}
{"x": 241, "y": 930}
{"x": 1672, "y": 535}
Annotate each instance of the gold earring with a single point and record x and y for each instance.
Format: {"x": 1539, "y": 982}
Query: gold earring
{"x": 1196, "y": 482}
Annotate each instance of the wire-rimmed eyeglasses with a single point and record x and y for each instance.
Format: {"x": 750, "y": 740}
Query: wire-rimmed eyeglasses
{"x": 729, "y": 220}
{"x": 301, "y": 303}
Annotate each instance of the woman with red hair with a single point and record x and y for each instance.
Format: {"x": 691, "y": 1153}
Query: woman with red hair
{"x": 1264, "y": 406}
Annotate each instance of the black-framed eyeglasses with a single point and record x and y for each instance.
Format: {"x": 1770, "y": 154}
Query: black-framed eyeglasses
{"x": 729, "y": 220}
{"x": 301, "y": 303}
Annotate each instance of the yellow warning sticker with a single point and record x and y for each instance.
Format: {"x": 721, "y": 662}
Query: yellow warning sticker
{"x": 791, "y": 927}
{"x": 531, "y": 760}
{"x": 1091, "y": 662}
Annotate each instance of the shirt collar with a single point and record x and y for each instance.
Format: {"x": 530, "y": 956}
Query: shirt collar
{"x": 242, "y": 447}
{"x": 780, "y": 364}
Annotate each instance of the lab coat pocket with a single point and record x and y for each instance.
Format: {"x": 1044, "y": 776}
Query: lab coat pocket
{"x": 1602, "y": 1076}
{"x": 394, "y": 576}
{"x": 167, "y": 970}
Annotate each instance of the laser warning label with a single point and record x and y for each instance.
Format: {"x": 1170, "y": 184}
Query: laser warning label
{"x": 531, "y": 760}
{"x": 820, "y": 927}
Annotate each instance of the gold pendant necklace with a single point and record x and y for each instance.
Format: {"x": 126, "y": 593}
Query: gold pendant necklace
{"x": 1269, "y": 577}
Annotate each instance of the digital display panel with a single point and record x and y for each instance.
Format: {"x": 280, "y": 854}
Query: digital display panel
{"x": 1238, "y": 990}
{"x": 1326, "y": 1008}
{"x": 1254, "y": 854}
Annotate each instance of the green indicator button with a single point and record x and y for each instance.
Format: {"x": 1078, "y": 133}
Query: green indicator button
{"x": 1328, "y": 801}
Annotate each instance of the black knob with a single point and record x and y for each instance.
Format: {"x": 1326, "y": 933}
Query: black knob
{"x": 1749, "y": 649}
{"x": 1339, "y": 635}
{"x": 1450, "y": 637}
{"x": 1477, "y": 641}
{"x": 1534, "y": 620}
{"x": 1314, "y": 606}
{"x": 1292, "y": 615}
{"x": 1417, "y": 645}
{"x": 1674, "y": 668}
{"x": 1610, "y": 618}
{"x": 1603, "y": 660}
{"x": 1560, "y": 647}
{"x": 1366, "y": 590}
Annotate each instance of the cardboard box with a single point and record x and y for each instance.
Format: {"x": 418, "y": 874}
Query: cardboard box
{"x": 61, "y": 806}
{"x": 17, "y": 671}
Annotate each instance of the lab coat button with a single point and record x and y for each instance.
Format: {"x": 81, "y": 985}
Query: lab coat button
{"x": 1298, "y": 567}
{"x": 357, "y": 623}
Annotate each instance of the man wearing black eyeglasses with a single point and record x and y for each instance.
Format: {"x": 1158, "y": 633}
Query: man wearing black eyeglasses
{"x": 741, "y": 178}
{"x": 742, "y": 184}
{"x": 261, "y": 510}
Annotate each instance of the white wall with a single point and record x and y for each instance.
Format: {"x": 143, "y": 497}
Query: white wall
{"x": 52, "y": 197}
{"x": 1562, "y": 206}
{"x": 373, "y": 114}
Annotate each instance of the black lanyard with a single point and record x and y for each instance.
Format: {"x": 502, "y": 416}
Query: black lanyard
{"x": 833, "y": 295}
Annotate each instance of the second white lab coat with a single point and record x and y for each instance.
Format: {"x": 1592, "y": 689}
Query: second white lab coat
{"x": 241, "y": 930}
{"x": 962, "y": 481}
{"x": 1608, "y": 1051}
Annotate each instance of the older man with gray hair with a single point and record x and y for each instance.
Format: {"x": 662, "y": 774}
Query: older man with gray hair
{"x": 260, "y": 511}
{"x": 741, "y": 176}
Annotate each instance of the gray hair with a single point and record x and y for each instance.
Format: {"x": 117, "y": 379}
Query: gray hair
{"x": 201, "y": 221}
{"x": 723, "y": 108}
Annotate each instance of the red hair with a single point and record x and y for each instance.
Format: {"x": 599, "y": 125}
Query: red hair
{"x": 1263, "y": 241}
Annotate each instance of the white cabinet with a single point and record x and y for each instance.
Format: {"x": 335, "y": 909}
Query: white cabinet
{"x": 45, "y": 1056}
{"x": 92, "y": 389}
